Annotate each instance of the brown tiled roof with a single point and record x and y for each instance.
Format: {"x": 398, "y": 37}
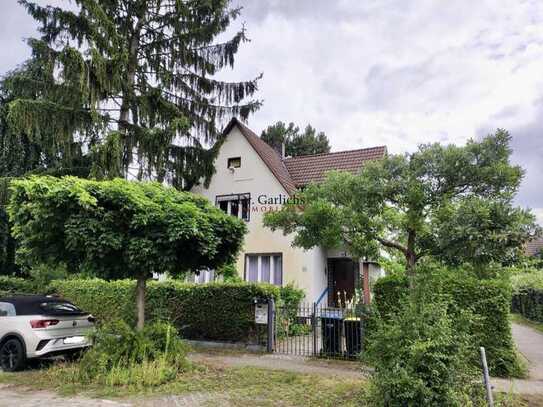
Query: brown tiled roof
{"x": 312, "y": 168}
{"x": 293, "y": 172}
{"x": 534, "y": 247}
{"x": 267, "y": 153}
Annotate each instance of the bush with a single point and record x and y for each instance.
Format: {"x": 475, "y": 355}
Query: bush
{"x": 214, "y": 311}
{"x": 124, "y": 356}
{"x": 16, "y": 285}
{"x": 489, "y": 300}
{"x": 421, "y": 358}
{"x": 528, "y": 293}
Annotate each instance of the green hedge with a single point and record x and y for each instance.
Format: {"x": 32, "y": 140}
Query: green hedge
{"x": 215, "y": 311}
{"x": 528, "y": 302}
{"x": 489, "y": 300}
{"x": 14, "y": 285}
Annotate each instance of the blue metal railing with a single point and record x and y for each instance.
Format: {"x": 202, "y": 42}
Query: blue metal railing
{"x": 321, "y": 297}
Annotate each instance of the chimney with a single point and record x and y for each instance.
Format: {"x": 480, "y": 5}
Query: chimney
{"x": 279, "y": 149}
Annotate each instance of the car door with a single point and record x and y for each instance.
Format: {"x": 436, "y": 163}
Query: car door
{"x": 7, "y": 314}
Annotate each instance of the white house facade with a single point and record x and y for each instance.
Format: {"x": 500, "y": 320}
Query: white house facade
{"x": 250, "y": 179}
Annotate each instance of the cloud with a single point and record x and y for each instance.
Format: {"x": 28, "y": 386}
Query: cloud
{"x": 402, "y": 73}
{"x": 387, "y": 72}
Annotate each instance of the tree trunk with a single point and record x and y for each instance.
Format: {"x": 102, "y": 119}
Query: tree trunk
{"x": 140, "y": 302}
{"x": 411, "y": 259}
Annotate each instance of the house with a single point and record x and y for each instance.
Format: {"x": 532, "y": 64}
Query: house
{"x": 252, "y": 178}
{"x": 534, "y": 247}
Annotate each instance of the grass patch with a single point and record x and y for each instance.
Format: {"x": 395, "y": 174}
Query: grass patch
{"x": 519, "y": 319}
{"x": 243, "y": 386}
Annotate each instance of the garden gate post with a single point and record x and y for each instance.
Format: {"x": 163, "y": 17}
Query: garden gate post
{"x": 314, "y": 324}
{"x": 271, "y": 324}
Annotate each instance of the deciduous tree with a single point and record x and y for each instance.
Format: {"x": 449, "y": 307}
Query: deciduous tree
{"x": 453, "y": 203}
{"x": 120, "y": 229}
{"x": 296, "y": 143}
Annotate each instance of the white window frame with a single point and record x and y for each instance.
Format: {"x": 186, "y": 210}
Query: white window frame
{"x": 259, "y": 256}
{"x": 238, "y": 198}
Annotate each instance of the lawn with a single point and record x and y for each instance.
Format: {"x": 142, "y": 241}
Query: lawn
{"x": 209, "y": 384}
{"x": 241, "y": 386}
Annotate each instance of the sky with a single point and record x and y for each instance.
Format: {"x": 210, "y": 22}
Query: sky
{"x": 385, "y": 72}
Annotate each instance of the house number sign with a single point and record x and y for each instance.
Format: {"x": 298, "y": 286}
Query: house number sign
{"x": 261, "y": 313}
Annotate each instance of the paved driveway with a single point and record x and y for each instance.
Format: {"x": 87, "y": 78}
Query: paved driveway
{"x": 530, "y": 344}
{"x": 11, "y": 396}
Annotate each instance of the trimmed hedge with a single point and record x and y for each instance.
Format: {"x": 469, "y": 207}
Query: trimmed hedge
{"x": 215, "y": 311}
{"x": 15, "y": 285}
{"x": 489, "y": 301}
{"x": 528, "y": 302}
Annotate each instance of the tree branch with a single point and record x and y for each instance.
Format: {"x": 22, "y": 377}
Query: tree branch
{"x": 394, "y": 245}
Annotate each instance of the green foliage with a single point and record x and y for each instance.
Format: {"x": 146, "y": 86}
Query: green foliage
{"x": 42, "y": 275}
{"x": 118, "y": 228}
{"x": 287, "y": 307}
{"x": 422, "y": 358}
{"x": 451, "y": 203}
{"x": 122, "y": 356}
{"x": 487, "y": 299}
{"x": 214, "y": 311}
{"x": 229, "y": 272}
{"x": 17, "y": 285}
{"x": 117, "y": 82}
{"x": 306, "y": 143}
{"x": 528, "y": 292}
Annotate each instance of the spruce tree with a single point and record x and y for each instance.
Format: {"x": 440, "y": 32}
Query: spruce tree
{"x": 131, "y": 85}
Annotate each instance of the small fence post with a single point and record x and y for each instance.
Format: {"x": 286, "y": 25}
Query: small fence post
{"x": 486, "y": 378}
{"x": 314, "y": 323}
{"x": 271, "y": 324}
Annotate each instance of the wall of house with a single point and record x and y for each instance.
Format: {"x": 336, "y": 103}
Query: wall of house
{"x": 305, "y": 269}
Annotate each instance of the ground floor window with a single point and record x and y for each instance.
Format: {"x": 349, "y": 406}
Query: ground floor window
{"x": 264, "y": 268}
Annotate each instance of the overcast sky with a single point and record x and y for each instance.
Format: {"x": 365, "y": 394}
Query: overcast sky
{"x": 390, "y": 72}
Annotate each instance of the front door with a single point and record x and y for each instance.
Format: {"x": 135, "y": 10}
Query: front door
{"x": 343, "y": 279}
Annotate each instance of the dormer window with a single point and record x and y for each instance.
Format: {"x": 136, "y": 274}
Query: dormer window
{"x": 237, "y": 205}
{"x": 234, "y": 162}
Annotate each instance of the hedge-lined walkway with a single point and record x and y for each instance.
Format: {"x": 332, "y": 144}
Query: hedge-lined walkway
{"x": 530, "y": 344}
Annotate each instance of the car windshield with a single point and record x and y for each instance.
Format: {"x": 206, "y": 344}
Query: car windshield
{"x": 57, "y": 308}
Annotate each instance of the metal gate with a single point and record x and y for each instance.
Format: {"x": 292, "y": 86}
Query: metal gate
{"x": 318, "y": 331}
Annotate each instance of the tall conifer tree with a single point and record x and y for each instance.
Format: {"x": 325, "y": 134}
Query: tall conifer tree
{"x": 131, "y": 84}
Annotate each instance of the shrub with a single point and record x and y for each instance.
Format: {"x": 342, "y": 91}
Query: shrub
{"x": 489, "y": 300}
{"x": 16, "y": 285}
{"x": 123, "y": 356}
{"x": 528, "y": 293}
{"x": 421, "y": 358}
{"x": 214, "y": 311}
{"x": 528, "y": 302}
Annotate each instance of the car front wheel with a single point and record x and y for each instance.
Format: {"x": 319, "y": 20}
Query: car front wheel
{"x": 12, "y": 355}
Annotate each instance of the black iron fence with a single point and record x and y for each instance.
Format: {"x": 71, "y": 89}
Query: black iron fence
{"x": 318, "y": 331}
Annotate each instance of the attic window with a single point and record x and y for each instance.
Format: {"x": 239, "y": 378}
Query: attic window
{"x": 234, "y": 162}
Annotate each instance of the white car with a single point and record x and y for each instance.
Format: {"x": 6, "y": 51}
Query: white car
{"x": 34, "y": 326}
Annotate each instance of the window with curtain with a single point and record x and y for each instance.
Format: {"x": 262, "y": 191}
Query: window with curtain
{"x": 264, "y": 268}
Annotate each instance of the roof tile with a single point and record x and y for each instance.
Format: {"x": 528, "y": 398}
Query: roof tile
{"x": 294, "y": 172}
{"x": 312, "y": 168}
